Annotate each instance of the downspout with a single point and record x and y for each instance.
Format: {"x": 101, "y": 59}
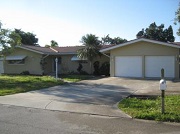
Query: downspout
{"x": 45, "y": 56}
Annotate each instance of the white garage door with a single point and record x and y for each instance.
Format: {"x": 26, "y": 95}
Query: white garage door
{"x": 1, "y": 67}
{"x": 154, "y": 64}
{"x": 128, "y": 66}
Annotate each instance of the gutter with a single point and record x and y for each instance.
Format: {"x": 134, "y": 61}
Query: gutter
{"x": 106, "y": 55}
{"x": 45, "y": 56}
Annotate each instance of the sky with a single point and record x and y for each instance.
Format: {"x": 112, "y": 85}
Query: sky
{"x": 66, "y": 21}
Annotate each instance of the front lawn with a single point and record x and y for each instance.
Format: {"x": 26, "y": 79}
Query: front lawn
{"x": 150, "y": 109}
{"x": 18, "y": 84}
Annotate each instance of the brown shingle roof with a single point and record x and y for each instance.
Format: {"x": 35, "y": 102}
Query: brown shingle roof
{"x": 57, "y": 50}
{"x": 38, "y": 49}
{"x": 106, "y": 46}
{"x": 176, "y": 43}
{"x": 52, "y": 50}
{"x": 69, "y": 49}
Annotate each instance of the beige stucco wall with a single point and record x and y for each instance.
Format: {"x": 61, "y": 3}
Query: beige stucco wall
{"x": 33, "y": 59}
{"x": 32, "y": 63}
{"x": 144, "y": 49}
{"x": 68, "y": 66}
{"x": 49, "y": 65}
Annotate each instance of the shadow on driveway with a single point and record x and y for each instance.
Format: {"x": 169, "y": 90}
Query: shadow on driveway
{"x": 99, "y": 94}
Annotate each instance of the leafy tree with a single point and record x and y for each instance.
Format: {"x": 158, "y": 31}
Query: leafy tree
{"x": 177, "y": 19}
{"x": 15, "y": 39}
{"x": 47, "y": 45}
{"x": 27, "y": 38}
{"x": 108, "y": 40}
{"x": 90, "y": 49}
{"x": 170, "y": 36}
{"x": 118, "y": 40}
{"x": 2, "y": 36}
{"x": 8, "y": 40}
{"x": 155, "y": 32}
{"x": 54, "y": 43}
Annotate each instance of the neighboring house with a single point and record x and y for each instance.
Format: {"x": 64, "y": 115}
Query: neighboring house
{"x": 41, "y": 60}
{"x": 144, "y": 58}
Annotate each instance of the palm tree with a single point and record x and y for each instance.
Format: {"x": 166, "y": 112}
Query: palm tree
{"x": 90, "y": 49}
{"x": 54, "y": 43}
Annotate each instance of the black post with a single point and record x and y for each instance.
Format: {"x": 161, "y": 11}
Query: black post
{"x": 162, "y": 95}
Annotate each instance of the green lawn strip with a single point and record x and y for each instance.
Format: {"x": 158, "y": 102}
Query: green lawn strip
{"x": 150, "y": 109}
{"x": 18, "y": 84}
{"x": 75, "y": 78}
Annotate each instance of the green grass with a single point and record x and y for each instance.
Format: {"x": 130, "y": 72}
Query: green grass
{"x": 150, "y": 109}
{"x": 11, "y": 84}
{"x": 75, "y": 78}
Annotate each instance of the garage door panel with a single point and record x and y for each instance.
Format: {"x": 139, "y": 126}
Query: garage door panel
{"x": 154, "y": 64}
{"x": 128, "y": 66}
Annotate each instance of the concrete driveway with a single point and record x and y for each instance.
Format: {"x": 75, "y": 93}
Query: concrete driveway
{"x": 96, "y": 96}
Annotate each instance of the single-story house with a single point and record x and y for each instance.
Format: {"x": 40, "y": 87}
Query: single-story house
{"x": 41, "y": 60}
{"x": 139, "y": 58}
{"x": 144, "y": 58}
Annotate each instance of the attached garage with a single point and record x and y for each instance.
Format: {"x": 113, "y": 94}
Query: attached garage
{"x": 144, "y": 58}
{"x": 153, "y": 65}
{"x": 128, "y": 66}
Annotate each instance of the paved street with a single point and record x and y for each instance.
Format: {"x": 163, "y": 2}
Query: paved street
{"x": 21, "y": 120}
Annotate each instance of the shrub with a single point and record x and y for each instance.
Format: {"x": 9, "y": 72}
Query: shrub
{"x": 104, "y": 69}
{"x": 79, "y": 67}
{"x": 83, "y": 72}
{"x": 25, "y": 73}
{"x": 96, "y": 68}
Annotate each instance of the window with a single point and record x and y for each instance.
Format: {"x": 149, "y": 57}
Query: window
{"x": 16, "y": 61}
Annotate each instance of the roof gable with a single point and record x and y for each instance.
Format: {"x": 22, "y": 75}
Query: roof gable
{"x": 67, "y": 50}
{"x": 52, "y": 50}
{"x": 140, "y": 40}
{"x": 37, "y": 49}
